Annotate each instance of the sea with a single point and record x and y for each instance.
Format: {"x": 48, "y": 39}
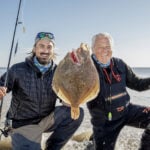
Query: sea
{"x": 141, "y": 71}
{"x": 129, "y": 137}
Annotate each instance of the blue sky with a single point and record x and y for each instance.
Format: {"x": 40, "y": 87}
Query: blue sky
{"x": 76, "y": 21}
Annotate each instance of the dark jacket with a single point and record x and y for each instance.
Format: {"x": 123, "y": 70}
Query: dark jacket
{"x": 102, "y": 104}
{"x": 32, "y": 94}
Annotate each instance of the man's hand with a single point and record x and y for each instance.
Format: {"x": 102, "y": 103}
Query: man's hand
{"x": 2, "y": 92}
{"x": 146, "y": 110}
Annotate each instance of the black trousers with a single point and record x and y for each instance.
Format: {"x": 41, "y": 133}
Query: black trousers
{"x": 105, "y": 135}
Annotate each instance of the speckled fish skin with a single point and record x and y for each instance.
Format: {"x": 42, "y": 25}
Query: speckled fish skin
{"x": 76, "y": 80}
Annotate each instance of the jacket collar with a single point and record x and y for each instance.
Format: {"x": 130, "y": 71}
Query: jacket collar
{"x": 29, "y": 60}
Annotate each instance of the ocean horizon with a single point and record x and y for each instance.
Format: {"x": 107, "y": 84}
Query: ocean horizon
{"x": 142, "y": 71}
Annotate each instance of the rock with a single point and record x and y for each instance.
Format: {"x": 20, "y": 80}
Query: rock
{"x": 5, "y": 144}
{"x": 84, "y": 136}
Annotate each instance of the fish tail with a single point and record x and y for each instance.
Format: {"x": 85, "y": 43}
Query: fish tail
{"x": 75, "y": 112}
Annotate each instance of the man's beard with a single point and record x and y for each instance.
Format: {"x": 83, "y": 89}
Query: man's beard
{"x": 44, "y": 61}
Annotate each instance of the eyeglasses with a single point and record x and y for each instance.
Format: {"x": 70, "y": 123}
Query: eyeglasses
{"x": 41, "y": 35}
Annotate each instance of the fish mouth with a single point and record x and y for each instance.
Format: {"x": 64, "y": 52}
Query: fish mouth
{"x": 75, "y": 58}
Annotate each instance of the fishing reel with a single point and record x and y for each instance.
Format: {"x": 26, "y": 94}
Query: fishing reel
{"x": 7, "y": 129}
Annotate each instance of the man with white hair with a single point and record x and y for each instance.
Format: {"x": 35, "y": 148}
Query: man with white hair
{"x": 112, "y": 110}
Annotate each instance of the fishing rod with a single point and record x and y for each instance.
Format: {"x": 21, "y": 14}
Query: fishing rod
{"x": 10, "y": 55}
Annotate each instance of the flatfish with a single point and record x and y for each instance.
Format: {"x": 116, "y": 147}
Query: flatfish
{"x": 76, "y": 80}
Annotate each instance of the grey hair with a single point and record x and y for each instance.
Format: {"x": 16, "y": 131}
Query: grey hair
{"x": 104, "y": 35}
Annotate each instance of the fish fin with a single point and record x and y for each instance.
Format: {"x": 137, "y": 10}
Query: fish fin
{"x": 88, "y": 97}
{"x": 63, "y": 97}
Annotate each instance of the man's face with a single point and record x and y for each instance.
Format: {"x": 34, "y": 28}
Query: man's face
{"x": 102, "y": 48}
{"x": 44, "y": 50}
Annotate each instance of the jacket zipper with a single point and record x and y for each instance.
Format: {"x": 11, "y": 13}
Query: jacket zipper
{"x": 41, "y": 93}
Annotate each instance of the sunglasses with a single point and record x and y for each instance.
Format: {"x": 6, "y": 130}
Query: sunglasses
{"x": 41, "y": 35}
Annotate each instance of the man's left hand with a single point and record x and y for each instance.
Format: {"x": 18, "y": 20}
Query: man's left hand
{"x": 146, "y": 110}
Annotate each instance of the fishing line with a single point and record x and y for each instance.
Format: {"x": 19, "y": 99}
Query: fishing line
{"x": 10, "y": 55}
{"x": 22, "y": 17}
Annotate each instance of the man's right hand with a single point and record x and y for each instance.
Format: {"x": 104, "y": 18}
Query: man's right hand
{"x": 2, "y": 91}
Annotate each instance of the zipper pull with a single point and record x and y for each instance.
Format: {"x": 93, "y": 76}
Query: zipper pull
{"x": 42, "y": 76}
{"x": 110, "y": 116}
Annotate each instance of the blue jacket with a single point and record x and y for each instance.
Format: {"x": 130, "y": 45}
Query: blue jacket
{"x": 32, "y": 94}
{"x": 114, "y": 95}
